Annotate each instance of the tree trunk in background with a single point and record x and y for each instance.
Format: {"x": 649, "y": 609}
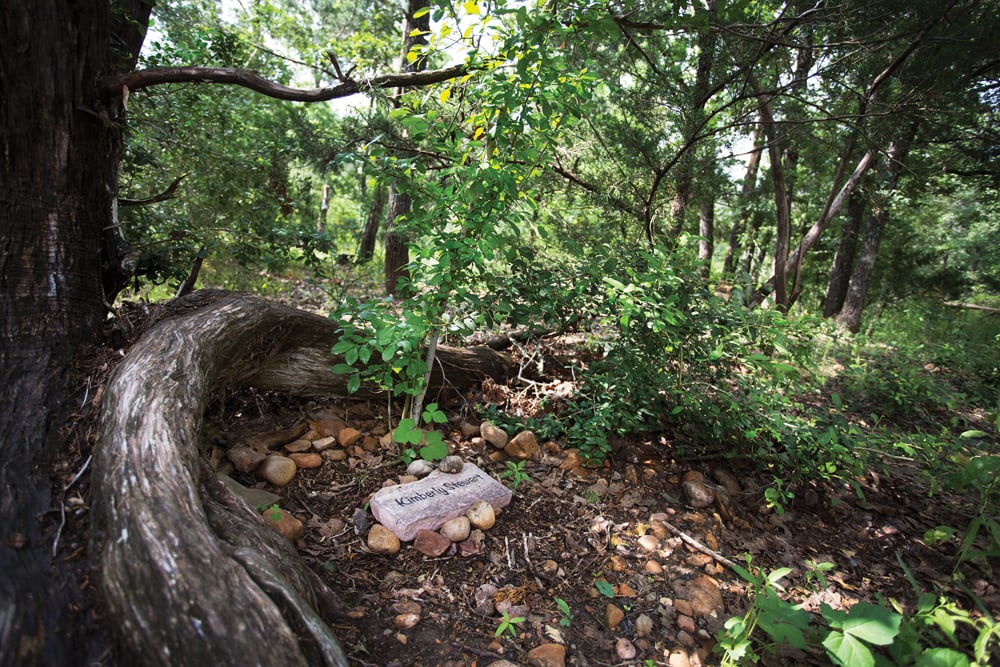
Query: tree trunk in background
{"x": 324, "y": 210}
{"x": 397, "y": 253}
{"x": 782, "y": 205}
{"x": 706, "y": 244}
{"x": 59, "y": 151}
{"x": 746, "y": 198}
{"x": 366, "y": 250}
{"x": 816, "y": 231}
{"x": 849, "y": 316}
{"x": 695, "y": 124}
{"x": 843, "y": 260}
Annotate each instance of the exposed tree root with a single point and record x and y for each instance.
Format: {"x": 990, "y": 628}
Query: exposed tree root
{"x": 190, "y": 574}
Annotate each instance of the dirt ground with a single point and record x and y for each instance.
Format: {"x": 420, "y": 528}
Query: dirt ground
{"x": 610, "y": 562}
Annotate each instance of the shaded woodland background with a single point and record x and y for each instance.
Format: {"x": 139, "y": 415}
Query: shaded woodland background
{"x": 774, "y": 225}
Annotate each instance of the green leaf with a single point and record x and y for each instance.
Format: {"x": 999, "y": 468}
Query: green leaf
{"x": 407, "y": 432}
{"x": 743, "y": 572}
{"x": 342, "y": 346}
{"x": 973, "y": 434}
{"x": 364, "y": 354}
{"x": 847, "y": 650}
{"x": 351, "y": 356}
{"x": 353, "y": 383}
{"x": 435, "y": 449}
{"x": 979, "y": 468}
{"x": 872, "y": 623}
{"x": 604, "y": 588}
{"x": 938, "y": 534}
{"x": 776, "y": 575}
{"x": 941, "y": 657}
{"x": 342, "y": 369}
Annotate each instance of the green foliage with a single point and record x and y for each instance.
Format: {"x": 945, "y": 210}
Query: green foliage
{"x": 273, "y": 511}
{"x": 566, "y": 616}
{"x": 508, "y": 624}
{"x": 432, "y": 444}
{"x": 604, "y": 588}
{"x": 251, "y": 165}
{"x": 381, "y": 345}
{"x": 865, "y": 635}
{"x": 515, "y": 473}
{"x": 980, "y": 474}
{"x": 928, "y": 636}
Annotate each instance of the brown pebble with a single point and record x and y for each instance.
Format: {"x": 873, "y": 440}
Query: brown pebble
{"x": 430, "y": 543}
{"x": 307, "y": 461}
{"x": 348, "y": 437}
{"x": 614, "y": 616}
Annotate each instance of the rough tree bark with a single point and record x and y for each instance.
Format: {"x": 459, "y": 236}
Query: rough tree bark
{"x": 59, "y": 150}
{"x": 64, "y": 69}
{"x": 191, "y": 574}
{"x": 843, "y": 259}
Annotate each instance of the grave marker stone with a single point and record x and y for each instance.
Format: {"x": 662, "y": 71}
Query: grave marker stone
{"x": 427, "y": 503}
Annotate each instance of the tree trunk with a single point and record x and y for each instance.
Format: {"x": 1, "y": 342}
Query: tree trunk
{"x": 849, "y": 316}
{"x": 59, "y": 150}
{"x": 706, "y": 244}
{"x": 366, "y": 249}
{"x": 782, "y": 204}
{"x": 843, "y": 260}
{"x": 817, "y": 229}
{"x": 191, "y": 575}
{"x": 746, "y": 198}
{"x": 397, "y": 253}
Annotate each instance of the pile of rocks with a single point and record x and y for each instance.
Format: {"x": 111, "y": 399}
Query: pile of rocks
{"x": 276, "y": 457}
{"x": 446, "y": 510}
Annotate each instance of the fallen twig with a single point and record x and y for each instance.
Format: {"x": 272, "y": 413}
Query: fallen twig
{"x": 479, "y": 652}
{"x": 698, "y": 545}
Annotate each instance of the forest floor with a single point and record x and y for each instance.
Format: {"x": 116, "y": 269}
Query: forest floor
{"x": 610, "y": 562}
{"x": 567, "y": 531}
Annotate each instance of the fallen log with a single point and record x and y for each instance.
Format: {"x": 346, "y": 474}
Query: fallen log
{"x": 190, "y": 574}
{"x": 972, "y": 306}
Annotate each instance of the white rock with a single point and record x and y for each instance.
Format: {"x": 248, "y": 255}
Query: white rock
{"x": 419, "y": 468}
{"x": 625, "y": 649}
{"x": 278, "y": 470}
{"x": 457, "y": 529}
{"x": 481, "y": 515}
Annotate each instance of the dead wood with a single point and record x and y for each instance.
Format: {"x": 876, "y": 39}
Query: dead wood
{"x": 972, "y": 306}
{"x": 189, "y": 573}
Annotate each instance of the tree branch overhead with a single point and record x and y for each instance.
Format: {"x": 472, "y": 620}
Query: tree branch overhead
{"x": 233, "y": 76}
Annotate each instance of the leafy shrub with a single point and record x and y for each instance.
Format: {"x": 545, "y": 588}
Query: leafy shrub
{"x": 865, "y": 635}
